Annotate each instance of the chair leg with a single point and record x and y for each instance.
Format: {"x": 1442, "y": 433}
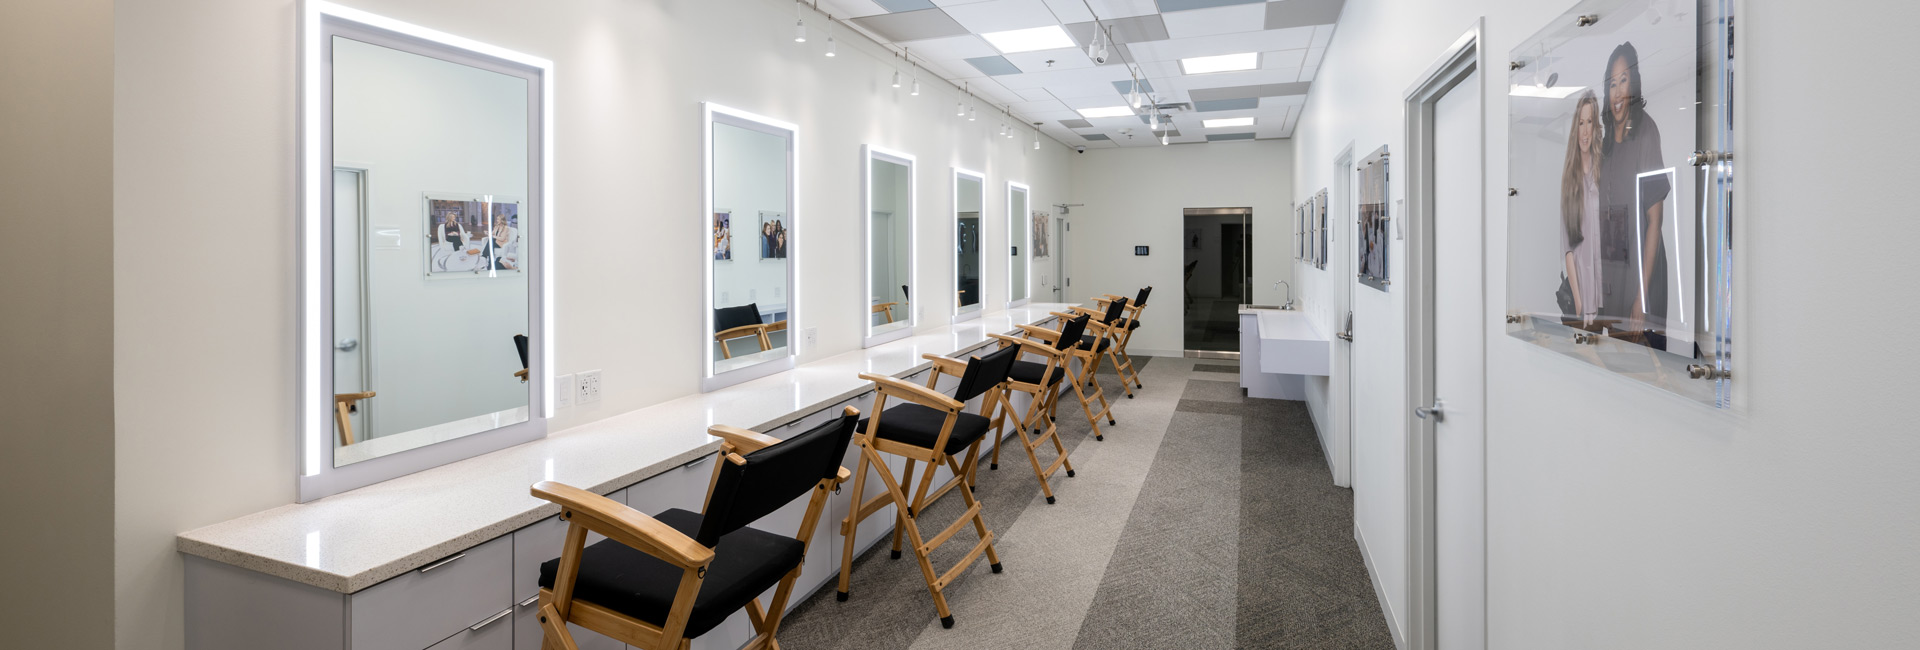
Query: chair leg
{"x": 851, "y": 525}
{"x": 554, "y": 630}
{"x": 1117, "y": 370}
{"x": 910, "y": 526}
{"x": 1087, "y": 406}
{"x": 902, "y": 510}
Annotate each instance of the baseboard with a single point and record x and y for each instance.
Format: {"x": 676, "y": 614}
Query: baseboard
{"x": 1379, "y": 591}
{"x": 1326, "y": 452}
{"x": 1143, "y": 352}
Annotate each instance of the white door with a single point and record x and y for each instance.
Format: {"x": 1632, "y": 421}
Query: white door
{"x": 1458, "y": 345}
{"x": 349, "y": 339}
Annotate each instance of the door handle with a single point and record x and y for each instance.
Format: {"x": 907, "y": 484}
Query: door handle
{"x": 1344, "y": 336}
{"x": 346, "y": 345}
{"x": 1437, "y": 412}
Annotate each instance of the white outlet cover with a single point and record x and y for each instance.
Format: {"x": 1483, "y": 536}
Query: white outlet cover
{"x": 563, "y": 391}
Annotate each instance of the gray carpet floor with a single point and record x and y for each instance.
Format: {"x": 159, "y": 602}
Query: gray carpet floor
{"x": 1205, "y": 519}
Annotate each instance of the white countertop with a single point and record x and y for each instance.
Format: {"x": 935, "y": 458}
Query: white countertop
{"x": 355, "y": 539}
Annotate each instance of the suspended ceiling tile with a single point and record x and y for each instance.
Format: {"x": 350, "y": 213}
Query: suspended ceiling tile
{"x": 1238, "y": 92}
{"x": 1111, "y": 9}
{"x": 1235, "y": 79}
{"x": 1189, "y": 5}
{"x": 993, "y": 65}
{"x": 858, "y": 8}
{"x": 1050, "y": 105}
{"x": 1069, "y": 11}
{"x": 912, "y": 25}
{"x": 1283, "y": 59}
{"x": 1297, "y": 13}
{"x": 951, "y": 48}
{"x": 1094, "y": 101}
{"x": 1218, "y": 20}
{"x": 1076, "y": 123}
{"x": 1094, "y": 137}
{"x": 1314, "y": 55}
{"x": 1125, "y": 86}
{"x": 1222, "y": 137}
{"x": 1045, "y": 60}
{"x": 1136, "y": 29}
{"x": 898, "y": 6}
{"x": 1002, "y": 15}
{"x": 1076, "y": 78}
{"x": 1322, "y": 36}
{"x": 1035, "y": 94}
{"x": 1182, "y": 48}
{"x": 1226, "y": 104}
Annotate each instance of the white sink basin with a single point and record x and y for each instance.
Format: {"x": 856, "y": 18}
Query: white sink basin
{"x": 1290, "y": 344}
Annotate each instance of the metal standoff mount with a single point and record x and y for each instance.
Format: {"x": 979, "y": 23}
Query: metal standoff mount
{"x": 1703, "y": 371}
{"x": 1587, "y": 20}
{"x": 1704, "y": 158}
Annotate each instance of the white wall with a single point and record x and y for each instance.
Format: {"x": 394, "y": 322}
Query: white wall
{"x": 1135, "y": 197}
{"x": 204, "y": 154}
{"x": 57, "y": 324}
{"x": 1620, "y": 517}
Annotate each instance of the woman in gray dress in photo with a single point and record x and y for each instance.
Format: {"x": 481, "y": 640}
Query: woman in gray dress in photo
{"x": 1633, "y": 262}
{"x": 1580, "y": 211}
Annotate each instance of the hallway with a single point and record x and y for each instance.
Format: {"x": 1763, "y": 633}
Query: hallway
{"x": 1203, "y": 520}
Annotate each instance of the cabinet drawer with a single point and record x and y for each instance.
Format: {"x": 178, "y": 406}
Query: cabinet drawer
{"x": 430, "y": 604}
{"x": 497, "y": 634}
{"x": 683, "y": 487}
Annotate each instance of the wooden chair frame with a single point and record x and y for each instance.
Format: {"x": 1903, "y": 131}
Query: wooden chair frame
{"x": 907, "y": 511}
{"x": 759, "y": 331}
{"x": 1114, "y": 335}
{"x": 1133, "y": 316}
{"x": 342, "y": 408}
{"x": 1045, "y": 399}
{"x": 586, "y": 511}
{"x": 1089, "y": 362}
{"x": 887, "y": 309}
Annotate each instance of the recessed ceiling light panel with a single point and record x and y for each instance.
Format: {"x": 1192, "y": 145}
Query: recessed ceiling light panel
{"x": 1226, "y": 122}
{"x": 1222, "y": 63}
{"x": 1051, "y": 37}
{"x": 1109, "y": 111}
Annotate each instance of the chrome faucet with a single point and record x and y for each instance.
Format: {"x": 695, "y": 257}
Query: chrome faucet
{"x": 1289, "y": 305}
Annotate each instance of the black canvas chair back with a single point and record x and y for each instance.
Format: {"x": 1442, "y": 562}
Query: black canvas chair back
{"x": 773, "y": 477}
{"x": 984, "y": 373}
{"x": 726, "y": 318}
{"x": 1071, "y": 332}
{"x": 904, "y": 294}
{"x": 1114, "y": 310}
{"x": 1141, "y": 300}
{"x": 520, "y": 343}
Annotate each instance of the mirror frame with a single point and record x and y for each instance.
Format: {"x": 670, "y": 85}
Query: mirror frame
{"x": 954, "y": 211}
{"x": 314, "y": 471}
{"x": 711, "y": 114}
{"x": 1019, "y": 225}
{"x": 869, "y": 154}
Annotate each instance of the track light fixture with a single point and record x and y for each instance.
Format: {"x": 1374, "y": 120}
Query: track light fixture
{"x": 896, "y": 78}
{"x": 831, "y": 50}
{"x": 800, "y": 22}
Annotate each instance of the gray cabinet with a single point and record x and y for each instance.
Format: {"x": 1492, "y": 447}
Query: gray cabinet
{"x": 424, "y": 606}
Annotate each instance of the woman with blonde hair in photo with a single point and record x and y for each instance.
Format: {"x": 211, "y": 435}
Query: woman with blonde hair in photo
{"x": 1580, "y": 210}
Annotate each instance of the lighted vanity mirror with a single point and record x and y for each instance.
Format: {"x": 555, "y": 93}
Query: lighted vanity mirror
{"x": 422, "y": 230}
{"x": 1019, "y": 229}
{"x": 889, "y": 237}
{"x": 750, "y": 182}
{"x": 968, "y": 197}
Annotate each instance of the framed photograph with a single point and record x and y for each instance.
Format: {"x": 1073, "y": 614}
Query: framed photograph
{"x": 1320, "y": 226}
{"x": 722, "y": 236}
{"x": 1375, "y": 237}
{"x": 1042, "y": 224}
{"x": 472, "y": 236}
{"x": 773, "y": 235}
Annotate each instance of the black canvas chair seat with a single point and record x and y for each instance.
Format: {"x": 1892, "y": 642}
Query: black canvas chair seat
{"x": 1028, "y": 372}
{"x": 746, "y": 563}
{"x": 1097, "y": 344}
{"x": 919, "y": 426}
{"x": 1133, "y": 325}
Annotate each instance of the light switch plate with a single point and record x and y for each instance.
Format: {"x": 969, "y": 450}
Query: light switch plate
{"x": 589, "y": 389}
{"x": 810, "y": 337}
{"x": 563, "y": 391}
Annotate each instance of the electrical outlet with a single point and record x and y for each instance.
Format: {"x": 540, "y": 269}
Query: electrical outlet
{"x": 724, "y": 299}
{"x": 753, "y": 294}
{"x": 589, "y": 390}
{"x": 563, "y": 391}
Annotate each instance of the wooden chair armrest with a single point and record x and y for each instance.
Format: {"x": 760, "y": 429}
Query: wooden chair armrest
{"x": 1042, "y": 333}
{"x": 842, "y": 477}
{"x": 1109, "y": 297}
{"x": 915, "y": 393}
{"x": 776, "y": 326}
{"x": 1083, "y": 311}
{"x": 738, "y": 332}
{"x": 619, "y": 522}
{"x": 521, "y": 373}
{"x": 946, "y": 365}
{"x": 1030, "y": 345}
{"x": 1069, "y": 315}
{"x": 743, "y": 440}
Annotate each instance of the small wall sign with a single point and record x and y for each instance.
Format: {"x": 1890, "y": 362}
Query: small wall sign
{"x": 1140, "y": 250}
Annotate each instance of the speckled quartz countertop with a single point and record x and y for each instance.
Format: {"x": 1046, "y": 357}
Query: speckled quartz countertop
{"x": 355, "y": 539}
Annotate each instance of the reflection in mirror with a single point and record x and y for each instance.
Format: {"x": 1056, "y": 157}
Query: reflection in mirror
{"x": 1017, "y": 232}
{"x": 752, "y": 242}
{"x": 968, "y": 188}
{"x": 432, "y": 164}
{"x": 890, "y": 246}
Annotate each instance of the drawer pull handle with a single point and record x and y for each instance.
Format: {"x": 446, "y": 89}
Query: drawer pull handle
{"x": 490, "y": 620}
{"x": 530, "y": 600}
{"x": 441, "y": 563}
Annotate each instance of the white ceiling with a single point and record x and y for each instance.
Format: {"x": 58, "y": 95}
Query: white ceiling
{"x": 943, "y": 36}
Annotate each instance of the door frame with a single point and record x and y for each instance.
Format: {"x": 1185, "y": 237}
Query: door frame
{"x": 1454, "y": 65}
{"x": 1339, "y": 261}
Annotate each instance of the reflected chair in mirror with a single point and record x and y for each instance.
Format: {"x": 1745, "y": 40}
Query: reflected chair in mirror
{"x": 520, "y": 343}
{"x": 929, "y": 430}
{"x": 734, "y": 323}
{"x": 1189, "y": 278}
{"x": 1067, "y": 339}
{"x": 1104, "y": 340}
{"x": 1134, "y": 310}
{"x": 1041, "y": 381}
{"x": 344, "y": 406}
{"x": 659, "y": 582}
{"x": 885, "y": 308}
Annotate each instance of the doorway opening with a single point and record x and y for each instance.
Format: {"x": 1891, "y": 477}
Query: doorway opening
{"x": 1217, "y": 247}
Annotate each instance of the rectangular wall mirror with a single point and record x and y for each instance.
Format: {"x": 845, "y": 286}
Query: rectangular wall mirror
{"x": 889, "y": 239}
{"x": 749, "y": 257}
{"x": 1018, "y": 251}
{"x": 968, "y": 197}
{"x": 423, "y": 212}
